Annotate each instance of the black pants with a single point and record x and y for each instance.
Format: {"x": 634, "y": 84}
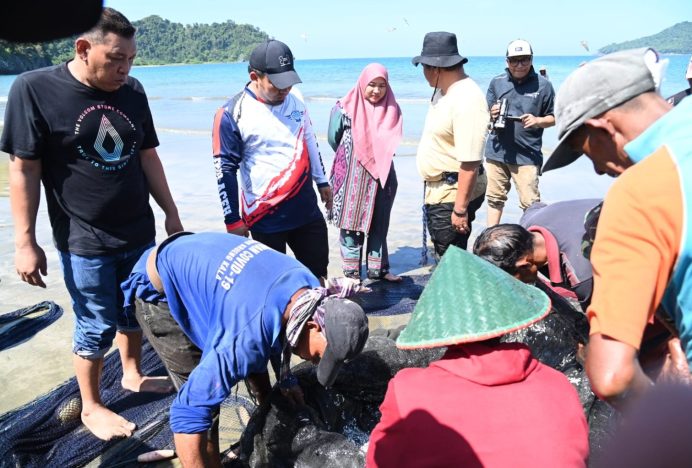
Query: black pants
{"x": 442, "y": 233}
{"x": 309, "y": 244}
{"x": 178, "y": 354}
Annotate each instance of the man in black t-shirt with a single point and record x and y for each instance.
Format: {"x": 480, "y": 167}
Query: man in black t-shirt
{"x": 85, "y": 130}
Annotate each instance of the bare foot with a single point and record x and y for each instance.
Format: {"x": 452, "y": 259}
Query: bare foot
{"x": 155, "y": 455}
{"x": 105, "y": 424}
{"x": 392, "y": 277}
{"x": 148, "y": 384}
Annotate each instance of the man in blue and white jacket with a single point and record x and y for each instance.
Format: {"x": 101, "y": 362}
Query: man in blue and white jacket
{"x": 265, "y": 131}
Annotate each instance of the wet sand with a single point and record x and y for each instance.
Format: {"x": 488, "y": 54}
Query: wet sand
{"x": 45, "y": 361}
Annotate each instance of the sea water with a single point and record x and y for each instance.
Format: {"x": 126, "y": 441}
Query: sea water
{"x": 184, "y": 98}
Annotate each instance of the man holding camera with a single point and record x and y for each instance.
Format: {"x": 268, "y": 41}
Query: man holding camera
{"x": 521, "y": 106}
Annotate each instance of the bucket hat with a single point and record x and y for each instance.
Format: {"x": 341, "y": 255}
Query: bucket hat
{"x": 439, "y": 50}
{"x": 467, "y": 300}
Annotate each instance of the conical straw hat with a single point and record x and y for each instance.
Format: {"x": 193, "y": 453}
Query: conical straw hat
{"x": 468, "y": 299}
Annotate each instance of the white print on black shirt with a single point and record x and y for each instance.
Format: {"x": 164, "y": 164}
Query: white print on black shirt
{"x": 115, "y": 137}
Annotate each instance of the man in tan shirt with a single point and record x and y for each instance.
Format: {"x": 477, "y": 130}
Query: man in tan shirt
{"x": 450, "y": 151}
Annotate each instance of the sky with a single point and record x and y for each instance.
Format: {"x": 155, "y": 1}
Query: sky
{"x": 318, "y": 29}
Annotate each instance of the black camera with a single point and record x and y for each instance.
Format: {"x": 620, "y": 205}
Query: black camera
{"x": 503, "y": 117}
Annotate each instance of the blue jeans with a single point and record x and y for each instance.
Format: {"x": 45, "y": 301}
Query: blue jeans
{"x": 94, "y": 285}
{"x": 442, "y": 234}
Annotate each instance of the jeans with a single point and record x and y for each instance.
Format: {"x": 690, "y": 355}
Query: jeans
{"x": 442, "y": 233}
{"x": 94, "y": 285}
{"x": 179, "y": 355}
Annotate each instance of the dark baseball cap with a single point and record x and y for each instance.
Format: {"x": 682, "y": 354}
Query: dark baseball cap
{"x": 346, "y": 330}
{"x": 276, "y": 60}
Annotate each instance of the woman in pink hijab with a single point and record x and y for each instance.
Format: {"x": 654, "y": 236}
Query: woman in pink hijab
{"x": 365, "y": 129}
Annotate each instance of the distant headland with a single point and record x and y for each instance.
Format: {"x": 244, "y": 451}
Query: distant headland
{"x": 674, "y": 40}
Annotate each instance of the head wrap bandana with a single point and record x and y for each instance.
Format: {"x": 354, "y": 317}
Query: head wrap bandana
{"x": 310, "y": 306}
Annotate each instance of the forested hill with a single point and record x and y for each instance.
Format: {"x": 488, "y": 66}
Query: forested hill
{"x": 159, "y": 41}
{"x": 674, "y": 40}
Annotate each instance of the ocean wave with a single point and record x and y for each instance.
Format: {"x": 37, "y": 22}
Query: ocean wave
{"x": 201, "y": 98}
{"x": 190, "y": 98}
{"x": 400, "y": 100}
{"x": 184, "y": 131}
{"x": 321, "y": 137}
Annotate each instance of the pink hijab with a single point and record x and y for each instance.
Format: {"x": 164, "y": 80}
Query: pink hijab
{"x": 376, "y": 128}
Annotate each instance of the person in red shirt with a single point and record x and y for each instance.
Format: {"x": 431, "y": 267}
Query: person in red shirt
{"x": 485, "y": 403}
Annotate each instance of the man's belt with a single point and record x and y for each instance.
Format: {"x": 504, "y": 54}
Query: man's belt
{"x": 452, "y": 178}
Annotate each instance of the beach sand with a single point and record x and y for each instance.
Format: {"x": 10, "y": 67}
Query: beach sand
{"x": 43, "y": 362}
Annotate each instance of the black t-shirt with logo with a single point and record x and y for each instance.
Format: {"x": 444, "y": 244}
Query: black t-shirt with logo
{"x": 88, "y": 142}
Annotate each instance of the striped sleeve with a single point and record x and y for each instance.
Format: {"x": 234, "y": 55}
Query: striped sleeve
{"x": 227, "y": 147}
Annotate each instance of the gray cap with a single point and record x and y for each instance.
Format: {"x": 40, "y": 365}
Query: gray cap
{"x": 346, "y": 330}
{"x": 596, "y": 87}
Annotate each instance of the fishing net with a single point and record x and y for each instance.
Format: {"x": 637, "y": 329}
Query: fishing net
{"x": 333, "y": 427}
{"x": 332, "y": 430}
{"x": 18, "y": 326}
{"x": 48, "y": 430}
{"x": 387, "y": 298}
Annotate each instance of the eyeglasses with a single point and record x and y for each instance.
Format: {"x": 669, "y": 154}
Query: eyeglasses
{"x": 523, "y": 61}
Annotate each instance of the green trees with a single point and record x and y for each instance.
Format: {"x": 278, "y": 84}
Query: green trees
{"x": 674, "y": 40}
{"x": 159, "y": 41}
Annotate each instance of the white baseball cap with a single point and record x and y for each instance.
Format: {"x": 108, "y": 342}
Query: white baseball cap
{"x": 517, "y": 48}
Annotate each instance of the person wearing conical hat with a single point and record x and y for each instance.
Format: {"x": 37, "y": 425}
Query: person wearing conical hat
{"x": 484, "y": 403}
